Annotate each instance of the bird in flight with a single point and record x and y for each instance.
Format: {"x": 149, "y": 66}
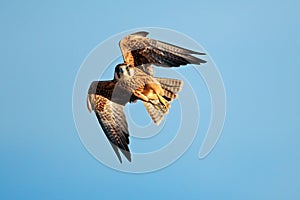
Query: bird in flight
{"x": 134, "y": 80}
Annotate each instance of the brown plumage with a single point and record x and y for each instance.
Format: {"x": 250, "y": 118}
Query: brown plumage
{"x": 138, "y": 50}
{"x": 109, "y": 111}
{"x": 134, "y": 80}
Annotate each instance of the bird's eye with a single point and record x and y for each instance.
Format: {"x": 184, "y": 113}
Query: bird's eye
{"x": 127, "y": 67}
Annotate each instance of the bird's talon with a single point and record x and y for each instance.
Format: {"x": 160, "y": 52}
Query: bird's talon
{"x": 161, "y": 100}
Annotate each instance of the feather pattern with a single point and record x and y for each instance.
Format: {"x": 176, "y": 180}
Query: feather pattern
{"x": 110, "y": 116}
{"x": 138, "y": 50}
{"x": 171, "y": 87}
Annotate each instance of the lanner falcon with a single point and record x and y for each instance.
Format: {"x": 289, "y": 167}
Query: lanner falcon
{"x": 134, "y": 80}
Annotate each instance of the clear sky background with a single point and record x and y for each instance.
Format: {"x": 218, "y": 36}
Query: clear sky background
{"x": 255, "y": 45}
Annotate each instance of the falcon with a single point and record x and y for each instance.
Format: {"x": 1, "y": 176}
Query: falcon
{"x": 134, "y": 80}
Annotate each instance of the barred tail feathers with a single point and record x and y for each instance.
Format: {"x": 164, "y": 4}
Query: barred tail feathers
{"x": 156, "y": 113}
{"x": 171, "y": 87}
{"x": 155, "y": 109}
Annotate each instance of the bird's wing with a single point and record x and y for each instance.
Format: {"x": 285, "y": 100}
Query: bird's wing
{"x": 137, "y": 50}
{"x": 110, "y": 116}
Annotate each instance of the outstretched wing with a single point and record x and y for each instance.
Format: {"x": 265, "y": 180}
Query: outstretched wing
{"x": 138, "y": 50}
{"x": 110, "y": 116}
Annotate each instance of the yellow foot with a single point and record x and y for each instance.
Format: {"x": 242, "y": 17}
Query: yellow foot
{"x": 162, "y": 101}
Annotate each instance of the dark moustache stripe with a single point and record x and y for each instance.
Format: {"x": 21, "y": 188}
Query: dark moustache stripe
{"x": 128, "y": 71}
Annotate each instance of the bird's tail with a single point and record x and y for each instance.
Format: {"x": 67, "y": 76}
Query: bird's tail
{"x": 155, "y": 108}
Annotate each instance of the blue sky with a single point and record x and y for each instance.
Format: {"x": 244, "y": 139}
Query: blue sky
{"x": 255, "y": 46}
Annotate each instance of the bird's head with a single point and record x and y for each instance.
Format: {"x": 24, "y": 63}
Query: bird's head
{"x": 123, "y": 71}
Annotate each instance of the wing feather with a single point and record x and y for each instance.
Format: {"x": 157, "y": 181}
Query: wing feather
{"x": 138, "y": 50}
{"x": 111, "y": 116}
